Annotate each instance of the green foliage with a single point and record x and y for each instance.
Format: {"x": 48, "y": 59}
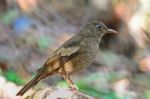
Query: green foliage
{"x": 91, "y": 90}
{"x": 147, "y": 94}
{"x": 8, "y": 17}
{"x": 97, "y": 93}
{"x": 12, "y": 76}
{"x": 109, "y": 95}
{"x": 44, "y": 42}
{"x": 62, "y": 84}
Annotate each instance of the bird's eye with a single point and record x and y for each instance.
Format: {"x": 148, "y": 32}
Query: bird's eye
{"x": 99, "y": 27}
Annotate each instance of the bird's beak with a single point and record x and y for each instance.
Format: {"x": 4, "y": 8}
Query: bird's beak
{"x": 111, "y": 31}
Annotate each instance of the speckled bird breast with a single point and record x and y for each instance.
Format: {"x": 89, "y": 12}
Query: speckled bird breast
{"x": 86, "y": 55}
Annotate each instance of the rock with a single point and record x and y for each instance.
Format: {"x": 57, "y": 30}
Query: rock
{"x": 58, "y": 93}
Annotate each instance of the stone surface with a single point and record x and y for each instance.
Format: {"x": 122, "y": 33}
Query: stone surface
{"x": 58, "y": 93}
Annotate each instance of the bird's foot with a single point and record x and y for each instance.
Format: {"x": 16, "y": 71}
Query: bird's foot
{"x": 74, "y": 89}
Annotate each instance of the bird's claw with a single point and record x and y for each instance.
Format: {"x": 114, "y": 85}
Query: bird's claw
{"x": 74, "y": 89}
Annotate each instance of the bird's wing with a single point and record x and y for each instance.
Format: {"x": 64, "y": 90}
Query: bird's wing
{"x": 67, "y": 51}
{"x": 71, "y": 47}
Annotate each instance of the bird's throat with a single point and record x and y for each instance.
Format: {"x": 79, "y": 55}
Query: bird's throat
{"x": 101, "y": 36}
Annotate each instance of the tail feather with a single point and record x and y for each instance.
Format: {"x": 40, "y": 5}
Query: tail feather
{"x": 40, "y": 75}
{"x": 27, "y": 87}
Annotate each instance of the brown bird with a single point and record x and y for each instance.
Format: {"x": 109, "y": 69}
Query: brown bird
{"x": 79, "y": 51}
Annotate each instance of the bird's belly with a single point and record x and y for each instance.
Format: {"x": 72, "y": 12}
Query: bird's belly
{"x": 83, "y": 60}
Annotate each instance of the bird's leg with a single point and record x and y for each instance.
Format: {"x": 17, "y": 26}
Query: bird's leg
{"x": 70, "y": 82}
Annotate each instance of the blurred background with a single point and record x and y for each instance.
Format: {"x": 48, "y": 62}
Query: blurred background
{"x": 30, "y": 30}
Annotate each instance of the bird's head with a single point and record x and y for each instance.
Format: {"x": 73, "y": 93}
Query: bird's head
{"x": 97, "y": 29}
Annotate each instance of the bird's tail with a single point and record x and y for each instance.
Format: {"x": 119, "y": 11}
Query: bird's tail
{"x": 27, "y": 87}
{"x": 41, "y": 74}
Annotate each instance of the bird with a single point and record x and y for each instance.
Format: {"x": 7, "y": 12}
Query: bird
{"x": 76, "y": 53}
